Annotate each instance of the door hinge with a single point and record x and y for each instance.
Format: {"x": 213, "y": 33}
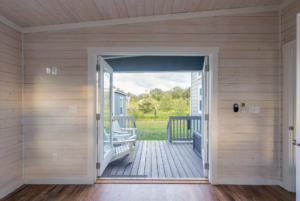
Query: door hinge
{"x": 206, "y": 117}
{"x": 97, "y": 116}
{"x": 206, "y": 68}
{"x": 291, "y": 128}
{"x": 97, "y": 67}
{"x": 206, "y": 166}
{"x": 98, "y": 166}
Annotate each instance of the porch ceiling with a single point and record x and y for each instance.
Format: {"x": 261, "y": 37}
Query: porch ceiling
{"x": 32, "y": 13}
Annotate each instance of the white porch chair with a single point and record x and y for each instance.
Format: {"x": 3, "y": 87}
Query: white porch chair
{"x": 124, "y": 131}
{"x": 126, "y": 148}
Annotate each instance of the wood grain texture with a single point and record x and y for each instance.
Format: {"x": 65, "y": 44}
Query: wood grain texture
{"x": 288, "y": 34}
{"x": 11, "y": 134}
{"x": 288, "y": 22}
{"x": 248, "y": 72}
{"x": 42, "y": 12}
{"x": 155, "y": 159}
{"x": 149, "y": 192}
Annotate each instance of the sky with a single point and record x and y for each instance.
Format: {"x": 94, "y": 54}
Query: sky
{"x": 138, "y": 83}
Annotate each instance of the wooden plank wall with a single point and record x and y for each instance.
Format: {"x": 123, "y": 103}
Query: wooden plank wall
{"x": 288, "y": 34}
{"x": 11, "y": 134}
{"x": 248, "y": 72}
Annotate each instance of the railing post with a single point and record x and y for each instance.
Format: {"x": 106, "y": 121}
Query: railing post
{"x": 170, "y": 130}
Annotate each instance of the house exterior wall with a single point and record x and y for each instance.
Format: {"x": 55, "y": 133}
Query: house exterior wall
{"x": 248, "y": 72}
{"x": 195, "y": 82}
{"x": 117, "y": 97}
{"x": 11, "y": 131}
{"x": 288, "y": 34}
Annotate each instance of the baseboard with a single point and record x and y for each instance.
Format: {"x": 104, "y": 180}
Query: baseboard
{"x": 58, "y": 180}
{"x": 10, "y": 188}
{"x": 249, "y": 181}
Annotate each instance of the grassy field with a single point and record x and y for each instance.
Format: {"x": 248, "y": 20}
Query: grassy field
{"x": 151, "y": 130}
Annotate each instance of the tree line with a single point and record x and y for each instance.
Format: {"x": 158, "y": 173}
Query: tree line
{"x": 175, "y": 101}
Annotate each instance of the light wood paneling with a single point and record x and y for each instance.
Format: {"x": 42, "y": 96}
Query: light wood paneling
{"x": 11, "y": 154}
{"x": 44, "y": 12}
{"x": 248, "y": 68}
{"x": 288, "y": 34}
{"x": 288, "y": 22}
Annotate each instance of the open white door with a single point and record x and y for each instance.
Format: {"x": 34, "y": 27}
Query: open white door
{"x": 104, "y": 108}
{"x": 205, "y": 115}
{"x": 298, "y": 112}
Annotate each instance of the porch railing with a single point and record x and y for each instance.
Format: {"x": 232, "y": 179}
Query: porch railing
{"x": 125, "y": 121}
{"x": 180, "y": 128}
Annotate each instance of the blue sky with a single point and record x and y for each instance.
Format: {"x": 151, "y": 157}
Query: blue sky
{"x": 138, "y": 83}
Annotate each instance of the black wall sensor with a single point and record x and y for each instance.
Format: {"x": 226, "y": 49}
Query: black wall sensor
{"x": 235, "y": 107}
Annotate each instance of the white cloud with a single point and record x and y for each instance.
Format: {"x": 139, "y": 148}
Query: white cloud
{"x": 138, "y": 83}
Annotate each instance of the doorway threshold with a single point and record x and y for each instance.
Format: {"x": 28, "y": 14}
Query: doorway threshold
{"x": 151, "y": 181}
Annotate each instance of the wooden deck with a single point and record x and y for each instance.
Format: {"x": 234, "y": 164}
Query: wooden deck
{"x": 158, "y": 159}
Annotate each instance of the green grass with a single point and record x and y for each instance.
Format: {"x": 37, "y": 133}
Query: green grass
{"x": 151, "y": 130}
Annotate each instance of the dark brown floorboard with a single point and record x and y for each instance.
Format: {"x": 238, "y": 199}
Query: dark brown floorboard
{"x": 145, "y": 192}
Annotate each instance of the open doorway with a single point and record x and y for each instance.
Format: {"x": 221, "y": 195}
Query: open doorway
{"x": 178, "y": 149}
{"x": 187, "y": 122}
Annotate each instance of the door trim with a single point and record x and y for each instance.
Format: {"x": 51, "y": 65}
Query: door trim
{"x": 212, "y": 52}
{"x": 287, "y": 157}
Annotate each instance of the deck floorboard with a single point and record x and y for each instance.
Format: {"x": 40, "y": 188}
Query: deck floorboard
{"x": 159, "y": 159}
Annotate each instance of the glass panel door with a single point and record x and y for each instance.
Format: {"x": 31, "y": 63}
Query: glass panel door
{"x": 105, "y": 94}
{"x": 206, "y": 82}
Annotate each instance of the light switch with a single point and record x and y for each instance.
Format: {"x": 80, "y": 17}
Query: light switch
{"x": 48, "y": 70}
{"x": 54, "y": 159}
{"x": 256, "y": 158}
{"x": 72, "y": 108}
{"x": 54, "y": 70}
{"x": 254, "y": 109}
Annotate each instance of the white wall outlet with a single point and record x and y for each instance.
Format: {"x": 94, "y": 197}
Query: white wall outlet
{"x": 54, "y": 70}
{"x": 254, "y": 109}
{"x": 54, "y": 158}
{"x": 72, "y": 108}
{"x": 48, "y": 70}
{"x": 256, "y": 158}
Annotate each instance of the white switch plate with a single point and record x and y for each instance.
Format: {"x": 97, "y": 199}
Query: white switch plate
{"x": 256, "y": 158}
{"x": 54, "y": 70}
{"x": 254, "y": 109}
{"x": 72, "y": 108}
{"x": 54, "y": 157}
{"x": 48, "y": 70}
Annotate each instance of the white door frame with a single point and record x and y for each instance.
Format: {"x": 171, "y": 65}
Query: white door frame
{"x": 212, "y": 52}
{"x": 288, "y": 177}
{"x": 298, "y": 110}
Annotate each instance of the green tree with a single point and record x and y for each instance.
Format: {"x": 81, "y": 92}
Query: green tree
{"x": 186, "y": 94}
{"x": 166, "y": 103}
{"x": 134, "y": 110}
{"x": 177, "y": 92}
{"x": 156, "y": 93}
{"x": 146, "y": 106}
{"x": 133, "y": 98}
{"x": 182, "y": 107}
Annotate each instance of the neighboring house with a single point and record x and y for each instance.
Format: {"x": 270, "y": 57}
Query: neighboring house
{"x": 120, "y": 106}
{"x": 197, "y": 100}
{"x": 196, "y": 94}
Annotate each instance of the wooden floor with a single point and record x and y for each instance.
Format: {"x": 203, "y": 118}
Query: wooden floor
{"x": 147, "y": 192}
{"x": 159, "y": 159}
